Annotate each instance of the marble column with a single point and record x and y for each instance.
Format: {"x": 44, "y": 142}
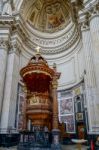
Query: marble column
{"x": 55, "y": 103}
{"x": 94, "y": 29}
{"x": 3, "y": 62}
{"x": 90, "y": 78}
{"x": 55, "y": 122}
{"x": 11, "y": 86}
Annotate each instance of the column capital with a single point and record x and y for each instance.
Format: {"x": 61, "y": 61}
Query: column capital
{"x": 4, "y": 43}
{"x": 84, "y": 23}
{"x": 94, "y": 11}
{"x": 55, "y": 77}
{"x": 24, "y": 88}
{"x": 15, "y": 47}
{"x": 54, "y": 83}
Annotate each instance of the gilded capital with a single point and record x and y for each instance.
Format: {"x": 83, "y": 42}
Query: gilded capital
{"x": 25, "y": 89}
{"x": 54, "y": 83}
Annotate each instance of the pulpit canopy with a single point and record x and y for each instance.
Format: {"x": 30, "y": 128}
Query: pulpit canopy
{"x": 37, "y": 75}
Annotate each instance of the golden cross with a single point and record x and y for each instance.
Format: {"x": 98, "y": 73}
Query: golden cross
{"x": 38, "y": 49}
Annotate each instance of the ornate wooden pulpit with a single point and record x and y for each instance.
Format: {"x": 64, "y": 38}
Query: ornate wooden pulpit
{"x": 40, "y": 82}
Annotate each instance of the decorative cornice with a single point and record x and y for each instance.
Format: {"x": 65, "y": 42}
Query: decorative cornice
{"x": 14, "y": 25}
{"x": 6, "y": 21}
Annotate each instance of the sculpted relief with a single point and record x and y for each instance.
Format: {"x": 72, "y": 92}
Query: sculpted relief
{"x": 49, "y": 16}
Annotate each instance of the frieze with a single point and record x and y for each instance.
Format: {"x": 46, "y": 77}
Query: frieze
{"x": 53, "y": 42}
{"x": 57, "y": 49}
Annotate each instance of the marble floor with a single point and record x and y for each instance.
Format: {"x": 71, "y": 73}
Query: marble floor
{"x": 69, "y": 147}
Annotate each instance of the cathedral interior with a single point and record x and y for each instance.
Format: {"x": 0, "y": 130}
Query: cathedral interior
{"x": 49, "y": 74}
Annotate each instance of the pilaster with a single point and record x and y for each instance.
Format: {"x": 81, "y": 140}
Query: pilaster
{"x": 94, "y": 29}
{"x": 3, "y": 63}
{"x": 55, "y": 122}
{"x": 90, "y": 75}
{"x": 11, "y": 85}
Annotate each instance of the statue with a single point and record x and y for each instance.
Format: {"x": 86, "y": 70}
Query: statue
{"x": 7, "y": 7}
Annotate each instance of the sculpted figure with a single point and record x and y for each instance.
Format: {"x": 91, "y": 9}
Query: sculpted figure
{"x": 7, "y": 7}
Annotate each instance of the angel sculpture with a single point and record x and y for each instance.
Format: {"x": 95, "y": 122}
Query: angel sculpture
{"x": 7, "y": 7}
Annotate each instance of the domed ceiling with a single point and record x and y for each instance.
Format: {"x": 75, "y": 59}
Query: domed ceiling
{"x": 50, "y": 25}
{"x": 49, "y": 15}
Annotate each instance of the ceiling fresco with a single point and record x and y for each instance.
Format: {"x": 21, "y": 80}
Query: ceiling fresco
{"x": 49, "y": 15}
